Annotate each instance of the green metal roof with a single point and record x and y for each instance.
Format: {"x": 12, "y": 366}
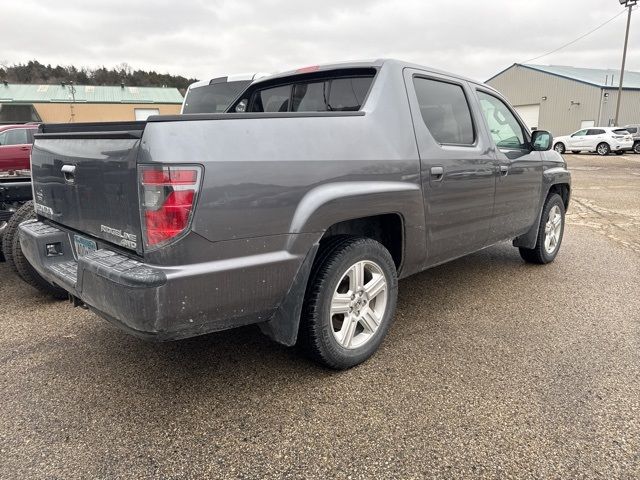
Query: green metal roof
{"x": 598, "y": 77}
{"x": 87, "y": 94}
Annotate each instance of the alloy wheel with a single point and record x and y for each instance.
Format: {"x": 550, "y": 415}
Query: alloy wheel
{"x": 553, "y": 229}
{"x": 358, "y": 304}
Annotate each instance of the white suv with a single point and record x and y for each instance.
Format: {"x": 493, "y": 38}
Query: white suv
{"x": 602, "y": 140}
{"x": 215, "y": 95}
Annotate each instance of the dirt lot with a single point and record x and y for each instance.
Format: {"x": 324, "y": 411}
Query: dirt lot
{"x": 493, "y": 369}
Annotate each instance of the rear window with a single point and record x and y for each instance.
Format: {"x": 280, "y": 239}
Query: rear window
{"x": 334, "y": 94}
{"x": 631, "y": 129}
{"x": 620, "y": 131}
{"x": 213, "y": 98}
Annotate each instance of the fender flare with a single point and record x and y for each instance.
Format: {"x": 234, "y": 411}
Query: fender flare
{"x": 550, "y": 177}
{"x": 318, "y": 210}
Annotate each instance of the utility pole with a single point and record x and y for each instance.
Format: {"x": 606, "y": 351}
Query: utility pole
{"x": 629, "y": 4}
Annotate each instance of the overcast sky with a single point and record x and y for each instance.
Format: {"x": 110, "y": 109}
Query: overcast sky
{"x": 206, "y": 38}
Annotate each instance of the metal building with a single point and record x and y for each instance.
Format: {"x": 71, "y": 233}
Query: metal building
{"x": 84, "y": 103}
{"x": 565, "y": 99}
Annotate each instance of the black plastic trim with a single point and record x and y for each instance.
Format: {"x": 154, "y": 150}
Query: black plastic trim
{"x": 238, "y": 116}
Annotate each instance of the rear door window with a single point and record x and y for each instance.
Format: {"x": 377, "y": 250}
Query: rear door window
{"x": 445, "y": 111}
{"x": 595, "y": 131}
{"x": 16, "y": 136}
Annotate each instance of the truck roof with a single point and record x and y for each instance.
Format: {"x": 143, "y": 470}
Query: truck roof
{"x": 377, "y": 63}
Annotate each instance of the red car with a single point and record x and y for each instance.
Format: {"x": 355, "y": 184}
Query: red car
{"x": 15, "y": 146}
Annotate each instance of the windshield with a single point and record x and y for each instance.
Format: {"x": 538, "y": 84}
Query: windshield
{"x": 213, "y": 98}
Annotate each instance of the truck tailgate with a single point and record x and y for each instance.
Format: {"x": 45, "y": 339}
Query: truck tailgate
{"x": 85, "y": 178}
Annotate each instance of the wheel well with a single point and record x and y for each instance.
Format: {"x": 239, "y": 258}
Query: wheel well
{"x": 388, "y": 229}
{"x": 563, "y": 190}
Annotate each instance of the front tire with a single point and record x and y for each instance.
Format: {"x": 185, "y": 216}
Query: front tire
{"x": 636, "y": 147}
{"x": 559, "y": 147}
{"x": 349, "y": 303}
{"x": 550, "y": 233}
{"x": 603, "y": 149}
{"x": 16, "y": 259}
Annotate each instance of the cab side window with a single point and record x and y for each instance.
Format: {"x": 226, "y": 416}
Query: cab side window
{"x": 595, "y": 131}
{"x": 579, "y": 133}
{"x": 445, "y": 111}
{"x": 504, "y": 127}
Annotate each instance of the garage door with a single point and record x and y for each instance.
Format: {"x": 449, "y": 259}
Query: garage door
{"x": 144, "y": 113}
{"x": 530, "y": 114}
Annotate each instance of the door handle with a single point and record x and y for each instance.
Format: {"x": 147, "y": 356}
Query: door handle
{"x": 504, "y": 170}
{"x": 437, "y": 173}
{"x": 68, "y": 171}
{"x": 25, "y": 148}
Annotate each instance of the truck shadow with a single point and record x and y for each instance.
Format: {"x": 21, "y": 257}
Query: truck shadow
{"x": 229, "y": 368}
{"x": 244, "y": 355}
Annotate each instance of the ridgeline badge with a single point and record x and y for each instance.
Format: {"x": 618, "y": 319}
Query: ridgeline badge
{"x": 124, "y": 239}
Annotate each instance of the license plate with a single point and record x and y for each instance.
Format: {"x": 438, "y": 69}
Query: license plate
{"x": 84, "y": 246}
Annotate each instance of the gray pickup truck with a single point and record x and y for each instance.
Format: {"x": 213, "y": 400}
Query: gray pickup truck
{"x": 298, "y": 210}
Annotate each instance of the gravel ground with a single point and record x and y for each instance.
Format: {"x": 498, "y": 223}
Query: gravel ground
{"x": 493, "y": 369}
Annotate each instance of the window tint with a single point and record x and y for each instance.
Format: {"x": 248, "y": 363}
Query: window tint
{"x": 213, "y": 98}
{"x": 505, "y": 129}
{"x": 274, "y": 99}
{"x": 347, "y": 94}
{"x": 334, "y": 94}
{"x": 445, "y": 111}
{"x": 620, "y": 131}
{"x": 595, "y": 131}
{"x": 17, "y": 136}
{"x": 310, "y": 97}
{"x": 632, "y": 129}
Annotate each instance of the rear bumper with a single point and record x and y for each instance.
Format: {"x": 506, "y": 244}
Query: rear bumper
{"x": 618, "y": 146}
{"x": 163, "y": 303}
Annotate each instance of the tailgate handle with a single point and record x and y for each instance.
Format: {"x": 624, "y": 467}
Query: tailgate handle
{"x": 68, "y": 171}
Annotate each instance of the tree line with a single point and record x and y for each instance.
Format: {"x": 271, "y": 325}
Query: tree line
{"x": 37, "y": 73}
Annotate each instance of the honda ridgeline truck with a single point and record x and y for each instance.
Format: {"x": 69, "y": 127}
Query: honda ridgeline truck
{"x": 297, "y": 211}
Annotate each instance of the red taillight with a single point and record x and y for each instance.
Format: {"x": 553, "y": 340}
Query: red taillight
{"x": 168, "y": 195}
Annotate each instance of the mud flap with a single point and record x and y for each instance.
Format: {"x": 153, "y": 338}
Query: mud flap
{"x": 283, "y": 325}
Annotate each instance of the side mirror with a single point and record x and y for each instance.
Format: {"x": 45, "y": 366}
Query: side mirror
{"x": 541, "y": 140}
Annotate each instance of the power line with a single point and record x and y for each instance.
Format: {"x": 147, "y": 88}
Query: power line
{"x": 577, "y": 39}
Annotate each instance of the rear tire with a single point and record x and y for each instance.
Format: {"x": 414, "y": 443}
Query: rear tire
{"x": 349, "y": 303}
{"x": 16, "y": 259}
{"x": 559, "y": 147}
{"x": 550, "y": 233}
{"x": 603, "y": 149}
{"x": 636, "y": 147}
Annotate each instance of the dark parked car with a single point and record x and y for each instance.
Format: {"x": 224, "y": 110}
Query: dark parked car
{"x": 299, "y": 214}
